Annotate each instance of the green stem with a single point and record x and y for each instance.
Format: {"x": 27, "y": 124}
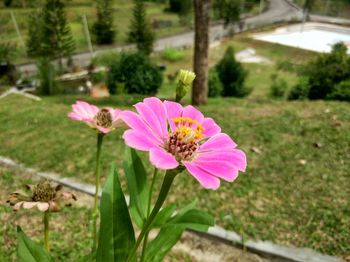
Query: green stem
{"x": 46, "y": 231}
{"x": 145, "y": 240}
{"x": 168, "y": 180}
{"x": 97, "y": 182}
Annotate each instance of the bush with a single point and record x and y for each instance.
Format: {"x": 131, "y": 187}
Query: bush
{"x": 341, "y": 91}
{"x": 232, "y": 75}
{"x": 278, "y": 86}
{"x": 300, "y": 90}
{"x": 106, "y": 58}
{"x": 172, "y": 54}
{"x": 326, "y": 71}
{"x": 47, "y": 77}
{"x": 103, "y": 28}
{"x": 137, "y": 73}
{"x": 214, "y": 84}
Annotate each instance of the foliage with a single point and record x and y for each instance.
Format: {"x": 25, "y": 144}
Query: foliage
{"x": 35, "y": 34}
{"x": 47, "y": 77}
{"x": 137, "y": 72}
{"x": 28, "y": 250}
{"x": 181, "y": 7}
{"x": 172, "y": 54}
{"x": 140, "y": 29}
{"x": 228, "y": 10}
{"x": 105, "y": 58}
{"x": 301, "y": 90}
{"x": 232, "y": 75}
{"x": 341, "y": 91}
{"x": 49, "y": 33}
{"x": 7, "y": 3}
{"x": 326, "y": 71}
{"x": 6, "y": 52}
{"x": 278, "y": 86}
{"x": 215, "y": 87}
{"x": 103, "y": 28}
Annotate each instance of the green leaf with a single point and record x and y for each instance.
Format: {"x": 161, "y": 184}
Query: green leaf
{"x": 162, "y": 244}
{"x": 29, "y": 251}
{"x": 163, "y": 216}
{"x": 137, "y": 185}
{"x": 170, "y": 233}
{"x": 195, "y": 219}
{"x": 117, "y": 235}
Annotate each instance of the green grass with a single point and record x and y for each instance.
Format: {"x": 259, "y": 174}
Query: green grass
{"x": 295, "y": 190}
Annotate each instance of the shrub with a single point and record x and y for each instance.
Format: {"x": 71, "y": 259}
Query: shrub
{"x": 141, "y": 32}
{"x": 106, "y": 58}
{"x": 300, "y": 90}
{"x": 172, "y": 54}
{"x": 47, "y": 77}
{"x": 341, "y": 91}
{"x": 214, "y": 84}
{"x": 278, "y": 86}
{"x": 137, "y": 73}
{"x": 326, "y": 71}
{"x": 232, "y": 75}
{"x": 103, "y": 28}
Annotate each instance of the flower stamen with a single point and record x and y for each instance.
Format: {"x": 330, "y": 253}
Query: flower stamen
{"x": 104, "y": 118}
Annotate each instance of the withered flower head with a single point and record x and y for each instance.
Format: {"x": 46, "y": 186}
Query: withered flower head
{"x": 43, "y": 195}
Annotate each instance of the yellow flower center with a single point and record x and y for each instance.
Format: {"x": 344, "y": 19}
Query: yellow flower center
{"x": 183, "y": 142}
{"x": 188, "y": 129}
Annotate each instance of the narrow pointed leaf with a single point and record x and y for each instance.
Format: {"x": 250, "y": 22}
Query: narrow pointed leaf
{"x": 162, "y": 244}
{"x": 29, "y": 251}
{"x": 137, "y": 185}
{"x": 117, "y": 235}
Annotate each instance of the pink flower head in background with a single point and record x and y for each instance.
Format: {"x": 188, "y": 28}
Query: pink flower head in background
{"x": 176, "y": 135}
{"x": 104, "y": 119}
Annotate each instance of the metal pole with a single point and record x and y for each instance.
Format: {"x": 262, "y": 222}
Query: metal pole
{"x": 87, "y": 34}
{"x": 17, "y": 29}
{"x": 261, "y": 6}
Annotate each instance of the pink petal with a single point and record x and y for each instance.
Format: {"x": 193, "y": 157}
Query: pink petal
{"x": 193, "y": 113}
{"x": 150, "y": 118}
{"x": 138, "y": 140}
{"x": 173, "y": 110}
{"x": 158, "y": 107}
{"x": 84, "y": 110}
{"x": 162, "y": 159}
{"x": 134, "y": 121}
{"x": 218, "y": 142}
{"x": 204, "y": 178}
{"x": 18, "y": 205}
{"x": 91, "y": 110}
{"x": 103, "y": 129}
{"x": 75, "y": 116}
{"x": 43, "y": 206}
{"x": 221, "y": 169}
{"x": 210, "y": 127}
{"x": 28, "y": 205}
{"x": 234, "y": 156}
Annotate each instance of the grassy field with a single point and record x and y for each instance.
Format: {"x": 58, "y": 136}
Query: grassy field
{"x": 295, "y": 191}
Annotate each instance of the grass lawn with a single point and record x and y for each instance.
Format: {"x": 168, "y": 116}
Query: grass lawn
{"x": 295, "y": 190}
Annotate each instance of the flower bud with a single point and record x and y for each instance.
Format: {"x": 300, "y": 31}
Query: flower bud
{"x": 184, "y": 84}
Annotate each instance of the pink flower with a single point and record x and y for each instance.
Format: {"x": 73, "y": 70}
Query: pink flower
{"x": 104, "y": 119}
{"x": 176, "y": 135}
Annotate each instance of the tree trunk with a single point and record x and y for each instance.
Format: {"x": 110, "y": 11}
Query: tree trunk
{"x": 201, "y": 51}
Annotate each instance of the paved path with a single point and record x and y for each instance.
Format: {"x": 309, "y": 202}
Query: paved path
{"x": 277, "y": 11}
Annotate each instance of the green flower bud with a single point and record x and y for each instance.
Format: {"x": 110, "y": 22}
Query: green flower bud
{"x": 184, "y": 84}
